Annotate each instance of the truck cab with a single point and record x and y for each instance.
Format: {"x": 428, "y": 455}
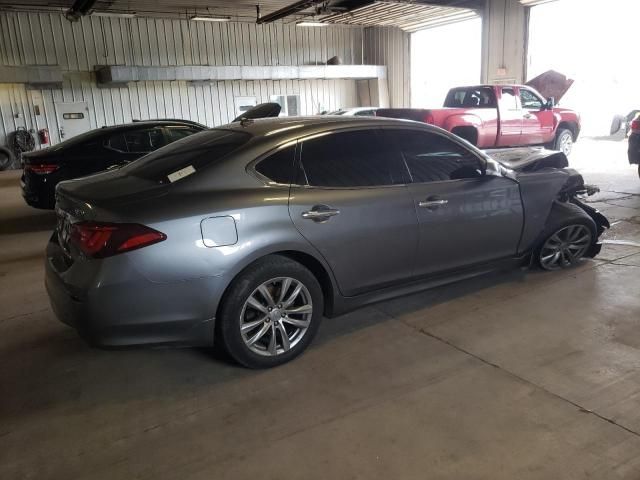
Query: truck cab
{"x": 491, "y": 116}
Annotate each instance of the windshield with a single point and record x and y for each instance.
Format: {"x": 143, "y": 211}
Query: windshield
{"x": 188, "y": 155}
{"x": 472, "y": 97}
{"x": 337, "y": 112}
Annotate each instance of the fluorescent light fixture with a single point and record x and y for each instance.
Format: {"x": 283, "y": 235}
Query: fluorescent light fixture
{"x": 311, "y": 24}
{"x": 113, "y": 14}
{"x": 210, "y": 18}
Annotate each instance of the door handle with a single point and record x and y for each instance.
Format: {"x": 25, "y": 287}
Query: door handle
{"x": 529, "y": 116}
{"x": 320, "y": 213}
{"x": 433, "y": 203}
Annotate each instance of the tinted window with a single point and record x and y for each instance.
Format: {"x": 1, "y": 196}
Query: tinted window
{"x": 177, "y": 133}
{"x": 117, "y": 142}
{"x": 279, "y": 166}
{"x": 144, "y": 140}
{"x": 508, "y": 100}
{"x": 197, "y": 151}
{"x": 479, "y": 97}
{"x": 434, "y": 158}
{"x": 364, "y": 113}
{"x": 349, "y": 159}
{"x": 529, "y": 100}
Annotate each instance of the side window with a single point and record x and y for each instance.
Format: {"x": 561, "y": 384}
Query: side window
{"x": 508, "y": 100}
{"x": 349, "y": 159}
{"x": 279, "y": 166}
{"x": 529, "y": 100}
{"x": 144, "y": 140}
{"x": 364, "y": 113}
{"x": 117, "y": 142}
{"x": 177, "y": 133}
{"x": 434, "y": 158}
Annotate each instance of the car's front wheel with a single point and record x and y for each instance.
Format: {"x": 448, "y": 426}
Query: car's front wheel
{"x": 569, "y": 235}
{"x": 270, "y": 313}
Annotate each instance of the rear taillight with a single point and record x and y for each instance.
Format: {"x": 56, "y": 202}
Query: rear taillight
{"x": 100, "y": 240}
{"x": 635, "y": 126}
{"x": 429, "y": 119}
{"x": 41, "y": 169}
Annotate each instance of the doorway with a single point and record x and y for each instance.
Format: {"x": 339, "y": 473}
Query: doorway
{"x": 442, "y": 58}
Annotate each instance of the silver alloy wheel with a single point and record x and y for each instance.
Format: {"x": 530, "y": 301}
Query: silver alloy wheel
{"x": 276, "y": 316}
{"x": 565, "y": 246}
{"x": 566, "y": 143}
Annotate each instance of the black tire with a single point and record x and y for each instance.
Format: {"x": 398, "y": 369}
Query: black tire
{"x": 564, "y": 141}
{"x": 563, "y": 215}
{"x": 639, "y": 170}
{"x": 6, "y": 159}
{"x": 228, "y": 323}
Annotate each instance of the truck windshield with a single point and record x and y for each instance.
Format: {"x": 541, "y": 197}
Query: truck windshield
{"x": 471, "y": 97}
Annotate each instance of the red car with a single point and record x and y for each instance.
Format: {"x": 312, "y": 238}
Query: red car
{"x": 491, "y": 116}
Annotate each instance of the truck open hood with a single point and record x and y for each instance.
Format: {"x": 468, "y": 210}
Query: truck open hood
{"x": 551, "y": 84}
{"x": 529, "y": 159}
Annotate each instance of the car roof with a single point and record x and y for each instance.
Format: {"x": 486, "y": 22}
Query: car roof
{"x": 151, "y": 123}
{"x": 299, "y": 126}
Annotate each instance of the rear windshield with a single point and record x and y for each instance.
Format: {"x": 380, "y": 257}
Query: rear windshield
{"x": 474, "y": 97}
{"x": 185, "y": 156}
{"x": 82, "y": 140}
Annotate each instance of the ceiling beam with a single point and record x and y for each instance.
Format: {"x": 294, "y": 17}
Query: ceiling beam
{"x": 292, "y": 9}
{"x": 79, "y": 9}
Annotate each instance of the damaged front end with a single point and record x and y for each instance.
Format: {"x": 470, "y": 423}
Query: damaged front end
{"x": 545, "y": 179}
{"x": 573, "y": 192}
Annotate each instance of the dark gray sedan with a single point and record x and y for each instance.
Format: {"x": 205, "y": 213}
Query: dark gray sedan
{"x": 247, "y": 234}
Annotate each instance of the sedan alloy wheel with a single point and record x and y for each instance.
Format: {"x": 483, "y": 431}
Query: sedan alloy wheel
{"x": 276, "y": 316}
{"x": 565, "y": 247}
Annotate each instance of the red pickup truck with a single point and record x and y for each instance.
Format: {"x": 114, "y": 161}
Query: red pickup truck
{"x": 491, "y": 116}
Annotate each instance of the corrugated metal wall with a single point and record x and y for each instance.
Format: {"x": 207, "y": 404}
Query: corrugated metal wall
{"x": 49, "y": 39}
{"x": 390, "y": 46}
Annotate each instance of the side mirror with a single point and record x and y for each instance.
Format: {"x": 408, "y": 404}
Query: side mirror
{"x": 551, "y": 102}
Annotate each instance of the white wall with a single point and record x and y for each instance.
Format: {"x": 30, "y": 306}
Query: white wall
{"x": 49, "y": 39}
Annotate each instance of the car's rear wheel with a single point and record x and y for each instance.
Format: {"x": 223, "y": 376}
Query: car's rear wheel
{"x": 569, "y": 235}
{"x": 270, "y": 313}
{"x": 639, "y": 170}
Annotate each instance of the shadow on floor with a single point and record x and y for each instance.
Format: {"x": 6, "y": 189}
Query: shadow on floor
{"x": 38, "y": 222}
{"x": 48, "y": 366}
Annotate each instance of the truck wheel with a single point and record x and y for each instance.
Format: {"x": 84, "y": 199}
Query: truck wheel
{"x": 564, "y": 141}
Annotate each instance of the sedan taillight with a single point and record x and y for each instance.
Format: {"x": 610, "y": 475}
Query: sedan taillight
{"x": 635, "y": 126}
{"x": 41, "y": 169}
{"x": 100, "y": 240}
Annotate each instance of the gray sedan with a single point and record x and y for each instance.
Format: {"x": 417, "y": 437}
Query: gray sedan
{"x": 246, "y": 235}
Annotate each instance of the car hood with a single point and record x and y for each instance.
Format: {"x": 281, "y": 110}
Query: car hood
{"x": 551, "y": 84}
{"x": 529, "y": 159}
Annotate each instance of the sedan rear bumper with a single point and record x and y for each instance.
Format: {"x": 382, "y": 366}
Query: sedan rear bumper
{"x": 129, "y": 310}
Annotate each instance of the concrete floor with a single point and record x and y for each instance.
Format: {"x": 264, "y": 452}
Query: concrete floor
{"x": 516, "y": 376}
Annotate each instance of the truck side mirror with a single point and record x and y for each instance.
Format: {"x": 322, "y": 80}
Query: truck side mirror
{"x": 551, "y": 102}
